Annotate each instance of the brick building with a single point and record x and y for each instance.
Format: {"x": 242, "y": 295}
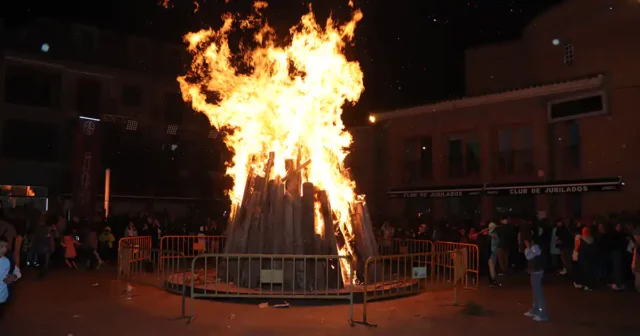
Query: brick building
{"x": 58, "y": 78}
{"x": 550, "y": 123}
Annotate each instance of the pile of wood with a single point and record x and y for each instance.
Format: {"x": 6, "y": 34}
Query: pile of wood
{"x": 277, "y": 216}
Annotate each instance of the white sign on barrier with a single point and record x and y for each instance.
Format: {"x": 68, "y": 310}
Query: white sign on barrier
{"x": 419, "y": 272}
{"x": 271, "y": 276}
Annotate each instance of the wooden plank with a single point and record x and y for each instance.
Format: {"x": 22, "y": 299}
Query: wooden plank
{"x": 329, "y": 236}
{"x": 307, "y": 228}
{"x": 331, "y": 241}
{"x": 287, "y": 245}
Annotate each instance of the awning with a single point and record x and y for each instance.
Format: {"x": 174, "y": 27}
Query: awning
{"x": 436, "y": 192}
{"x": 524, "y": 188}
{"x": 555, "y": 187}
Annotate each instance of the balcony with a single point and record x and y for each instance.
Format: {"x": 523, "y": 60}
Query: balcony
{"x": 514, "y": 162}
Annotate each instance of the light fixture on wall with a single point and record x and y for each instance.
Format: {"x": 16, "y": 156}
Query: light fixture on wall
{"x": 132, "y": 125}
{"x": 172, "y": 129}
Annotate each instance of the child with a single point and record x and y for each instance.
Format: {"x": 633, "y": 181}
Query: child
{"x": 69, "y": 243}
{"x": 106, "y": 243}
{"x": 9, "y": 273}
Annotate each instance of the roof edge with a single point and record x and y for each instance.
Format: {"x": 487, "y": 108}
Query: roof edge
{"x": 531, "y": 92}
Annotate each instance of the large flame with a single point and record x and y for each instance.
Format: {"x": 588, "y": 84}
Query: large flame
{"x": 289, "y": 103}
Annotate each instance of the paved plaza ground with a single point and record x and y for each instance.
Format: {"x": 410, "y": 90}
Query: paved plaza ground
{"x": 70, "y": 303}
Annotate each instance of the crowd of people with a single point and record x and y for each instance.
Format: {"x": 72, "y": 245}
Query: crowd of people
{"x": 594, "y": 254}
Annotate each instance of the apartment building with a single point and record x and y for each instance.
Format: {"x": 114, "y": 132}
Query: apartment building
{"x": 72, "y": 92}
{"x": 549, "y": 124}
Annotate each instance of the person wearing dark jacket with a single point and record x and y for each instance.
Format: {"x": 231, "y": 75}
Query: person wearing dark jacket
{"x": 535, "y": 265}
{"x": 618, "y": 245}
{"x": 504, "y": 231}
{"x": 564, "y": 243}
{"x": 587, "y": 260}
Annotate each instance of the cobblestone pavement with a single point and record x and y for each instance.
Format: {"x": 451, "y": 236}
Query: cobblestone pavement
{"x": 70, "y": 303}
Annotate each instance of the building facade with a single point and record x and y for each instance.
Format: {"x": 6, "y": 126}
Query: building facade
{"x": 68, "y": 91}
{"x": 550, "y": 124}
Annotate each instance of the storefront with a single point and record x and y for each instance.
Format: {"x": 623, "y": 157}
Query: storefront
{"x": 514, "y": 199}
{"x": 15, "y": 196}
{"x": 451, "y": 202}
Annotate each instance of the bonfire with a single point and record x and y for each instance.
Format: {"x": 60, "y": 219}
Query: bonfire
{"x": 280, "y": 110}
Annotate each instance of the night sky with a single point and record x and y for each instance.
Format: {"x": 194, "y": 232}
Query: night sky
{"x": 411, "y": 51}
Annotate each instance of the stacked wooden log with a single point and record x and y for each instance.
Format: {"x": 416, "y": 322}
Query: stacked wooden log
{"x": 278, "y": 216}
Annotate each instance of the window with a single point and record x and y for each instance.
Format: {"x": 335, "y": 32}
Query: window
{"x": 577, "y": 108}
{"x": 29, "y": 140}
{"x": 174, "y": 108}
{"x": 467, "y": 207}
{"x": 574, "y": 205}
{"x": 32, "y": 87}
{"x": 86, "y": 38}
{"x": 515, "y": 150}
{"x": 173, "y": 60}
{"x": 521, "y": 206}
{"x": 418, "y": 208}
{"x": 464, "y": 156}
{"x": 139, "y": 53}
{"x": 131, "y": 95}
{"x": 418, "y": 159}
{"x": 88, "y": 97}
{"x": 573, "y": 149}
{"x": 568, "y": 54}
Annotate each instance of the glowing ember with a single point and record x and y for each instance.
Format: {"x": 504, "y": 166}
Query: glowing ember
{"x": 289, "y": 103}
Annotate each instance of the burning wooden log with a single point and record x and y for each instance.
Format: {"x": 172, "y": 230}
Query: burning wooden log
{"x": 287, "y": 216}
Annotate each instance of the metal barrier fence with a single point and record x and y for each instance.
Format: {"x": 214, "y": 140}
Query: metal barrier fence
{"x": 141, "y": 242}
{"x": 191, "y": 246}
{"x": 274, "y": 276}
{"x": 407, "y": 274}
{"x": 472, "y": 274}
{"x": 393, "y": 246}
{"x": 139, "y": 263}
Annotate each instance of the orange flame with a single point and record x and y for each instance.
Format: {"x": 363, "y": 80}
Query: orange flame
{"x": 289, "y": 103}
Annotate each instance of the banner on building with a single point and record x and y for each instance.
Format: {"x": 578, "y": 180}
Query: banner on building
{"x": 86, "y": 166}
{"x": 514, "y": 189}
{"x": 436, "y": 192}
{"x": 556, "y": 187}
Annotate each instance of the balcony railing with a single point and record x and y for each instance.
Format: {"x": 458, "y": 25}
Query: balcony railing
{"x": 514, "y": 162}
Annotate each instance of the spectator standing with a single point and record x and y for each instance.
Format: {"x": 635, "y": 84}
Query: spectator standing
{"x": 131, "y": 230}
{"x": 617, "y": 249}
{"x": 493, "y": 257}
{"x": 535, "y": 261}
{"x": 503, "y": 233}
{"x": 587, "y": 260}
{"x": 43, "y": 246}
{"x": 9, "y": 273}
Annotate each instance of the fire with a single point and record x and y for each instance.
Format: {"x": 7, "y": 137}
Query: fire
{"x": 289, "y": 103}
